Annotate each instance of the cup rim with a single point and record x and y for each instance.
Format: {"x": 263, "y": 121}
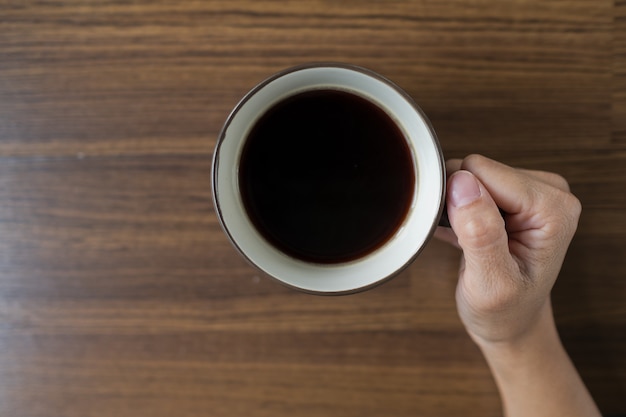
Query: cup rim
{"x": 336, "y": 65}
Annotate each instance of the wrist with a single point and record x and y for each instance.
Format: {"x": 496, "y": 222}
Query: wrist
{"x": 540, "y": 338}
{"x": 534, "y": 374}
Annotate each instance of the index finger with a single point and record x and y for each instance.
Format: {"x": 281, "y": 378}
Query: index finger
{"x": 531, "y": 199}
{"x": 513, "y": 190}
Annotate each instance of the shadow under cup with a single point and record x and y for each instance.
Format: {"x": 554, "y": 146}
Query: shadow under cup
{"x": 258, "y": 236}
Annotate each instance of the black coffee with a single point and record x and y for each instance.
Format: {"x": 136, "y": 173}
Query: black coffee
{"x": 326, "y": 176}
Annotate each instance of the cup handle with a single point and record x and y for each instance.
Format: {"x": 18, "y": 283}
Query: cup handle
{"x": 444, "y": 221}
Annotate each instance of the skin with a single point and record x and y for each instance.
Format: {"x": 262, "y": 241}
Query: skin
{"x": 508, "y": 268}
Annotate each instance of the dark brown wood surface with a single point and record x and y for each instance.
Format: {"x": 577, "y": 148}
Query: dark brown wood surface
{"x": 119, "y": 293}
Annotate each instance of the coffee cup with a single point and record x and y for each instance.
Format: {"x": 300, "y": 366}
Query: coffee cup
{"x": 328, "y": 178}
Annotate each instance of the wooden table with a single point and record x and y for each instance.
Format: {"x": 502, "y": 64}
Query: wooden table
{"x": 121, "y": 296}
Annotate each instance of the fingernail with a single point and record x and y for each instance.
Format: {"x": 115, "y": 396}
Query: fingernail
{"x": 464, "y": 189}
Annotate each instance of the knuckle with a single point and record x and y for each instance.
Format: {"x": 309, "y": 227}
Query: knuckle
{"x": 575, "y": 206}
{"x": 565, "y": 210}
{"x": 497, "y": 295}
{"x": 573, "y": 209}
{"x": 473, "y": 161}
{"x": 482, "y": 231}
{"x": 501, "y": 299}
{"x": 558, "y": 181}
{"x": 568, "y": 204}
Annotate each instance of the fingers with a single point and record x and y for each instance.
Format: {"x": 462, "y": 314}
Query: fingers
{"x": 478, "y": 225}
{"x": 445, "y": 233}
{"x": 507, "y": 187}
{"x": 453, "y": 165}
{"x": 534, "y": 200}
{"x": 509, "y": 265}
{"x": 533, "y": 194}
{"x": 547, "y": 178}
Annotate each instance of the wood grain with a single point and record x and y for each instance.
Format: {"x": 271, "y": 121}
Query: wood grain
{"x": 121, "y": 296}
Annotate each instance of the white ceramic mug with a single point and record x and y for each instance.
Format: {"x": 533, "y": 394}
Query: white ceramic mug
{"x": 386, "y": 261}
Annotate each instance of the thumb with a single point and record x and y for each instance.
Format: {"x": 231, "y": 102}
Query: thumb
{"x": 479, "y": 227}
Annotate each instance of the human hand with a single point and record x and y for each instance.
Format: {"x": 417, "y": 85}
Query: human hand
{"x": 508, "y": 268}
{"x": 509, "y": 264}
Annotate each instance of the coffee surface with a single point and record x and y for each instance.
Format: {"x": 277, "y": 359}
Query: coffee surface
{"x": 326, "y": 176}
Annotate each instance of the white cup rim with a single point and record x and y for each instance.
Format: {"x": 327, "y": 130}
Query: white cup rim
{"x": 299, "y": 273}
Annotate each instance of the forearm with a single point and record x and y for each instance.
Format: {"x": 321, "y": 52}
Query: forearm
{"x": 536, "y": 377}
